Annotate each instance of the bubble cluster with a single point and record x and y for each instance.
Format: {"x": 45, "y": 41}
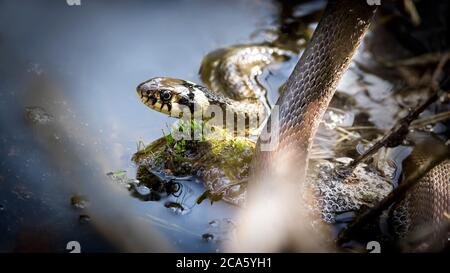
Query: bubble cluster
{"x": 336, "y": 194}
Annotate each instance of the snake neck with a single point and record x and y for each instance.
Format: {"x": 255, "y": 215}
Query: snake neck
{"x": 310, "y": 88}
{"x": 235, "y": 115}
{"x": 183, "y": 99}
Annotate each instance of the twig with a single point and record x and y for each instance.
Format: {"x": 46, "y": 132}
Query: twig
{"x": 358, "y": 128}
{"x": 418, "y": 123}
{"x": 397, "y": 134}
{"x": 424, "y": 59}
{"x": 410, "y": 8}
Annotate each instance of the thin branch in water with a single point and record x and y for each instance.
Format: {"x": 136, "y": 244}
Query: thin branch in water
{"x": 425, "y": 59}
{"x": 410, "y": 8}
{"x": 397, "y": 134}
{"x": 419, "y": 123}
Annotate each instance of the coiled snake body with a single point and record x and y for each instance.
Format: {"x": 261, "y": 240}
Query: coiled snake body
{"x": 231, "y": 77}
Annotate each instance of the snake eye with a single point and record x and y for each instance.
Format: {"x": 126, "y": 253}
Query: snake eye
{"x": 166, "y": 95}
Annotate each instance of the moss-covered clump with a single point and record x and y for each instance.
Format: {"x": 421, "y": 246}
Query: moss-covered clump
{"x": 220, "y": 159}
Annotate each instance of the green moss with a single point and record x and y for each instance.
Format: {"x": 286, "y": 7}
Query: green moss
{"x": 233, "y": 151}
{"x": 219, "y": 150}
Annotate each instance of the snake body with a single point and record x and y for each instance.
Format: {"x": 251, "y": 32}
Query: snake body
{"x": 233, "y": 71}
{"x": 231, "y": 77}
{"x": 421, "y": 220}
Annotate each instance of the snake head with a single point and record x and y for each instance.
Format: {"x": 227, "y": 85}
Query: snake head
{"x": 168, "y": 95}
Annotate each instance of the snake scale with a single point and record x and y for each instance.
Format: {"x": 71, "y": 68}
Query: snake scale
{"x": 232, "y": 84}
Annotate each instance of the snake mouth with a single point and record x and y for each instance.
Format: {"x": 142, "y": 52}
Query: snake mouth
{"x": 148, "y": 98}
{"x": 154, "y": 97}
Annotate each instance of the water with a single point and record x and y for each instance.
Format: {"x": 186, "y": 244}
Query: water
{"x": 78, "y": 66}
